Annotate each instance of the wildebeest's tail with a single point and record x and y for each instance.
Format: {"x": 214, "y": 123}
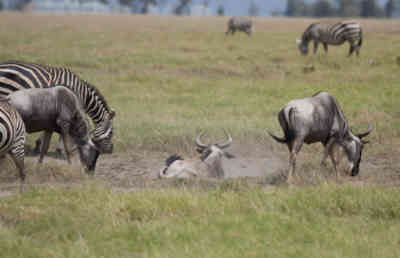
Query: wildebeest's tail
{"x": 171, "y": 159}
{"x": 285, "y": 127}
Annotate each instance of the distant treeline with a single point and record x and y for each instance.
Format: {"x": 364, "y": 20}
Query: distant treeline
{"x": 342, "y": 8}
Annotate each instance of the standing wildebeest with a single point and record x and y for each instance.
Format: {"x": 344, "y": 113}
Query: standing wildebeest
{"x": 332, "y": 34}
{"x": 56, "y": 109}
{"x": 18, "y": 75}
{"x": 319, "y": 119}
{"x": 210, "y": 163}
{"x": 239, "y": 24}
{"x": 12, "y": 137}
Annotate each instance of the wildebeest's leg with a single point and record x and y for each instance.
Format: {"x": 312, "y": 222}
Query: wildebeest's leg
{"x": 315, "y": 46}
{"x": 38, "y": 144}
{"x": 45, "y": 145}
{"x": 327, "y": 150}
{"x": 331, "y": 155}
{"x": 325, "y": 47}
{"x": 296, "y": 147}
{"x": 351, "y": 50}
{"x": 67, "y": 146}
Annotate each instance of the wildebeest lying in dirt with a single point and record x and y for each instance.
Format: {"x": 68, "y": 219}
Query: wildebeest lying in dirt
{"x": 319, "y": 119}
{"x": 56, "y": 109}
{"x": 209, "y": 165}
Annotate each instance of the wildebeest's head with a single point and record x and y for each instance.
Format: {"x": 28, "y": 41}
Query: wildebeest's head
{"x": 213, "y": 151}
{"x": 89, "y": 154}
{"x": 102, "y": 135}
{"x": 353, "y": 146}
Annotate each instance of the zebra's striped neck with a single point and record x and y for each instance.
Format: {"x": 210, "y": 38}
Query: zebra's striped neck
{"x": 92, "y": 100}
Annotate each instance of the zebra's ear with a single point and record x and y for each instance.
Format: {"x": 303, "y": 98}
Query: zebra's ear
{"x": 298, "y": 41}
{"x": 112, "y": 114}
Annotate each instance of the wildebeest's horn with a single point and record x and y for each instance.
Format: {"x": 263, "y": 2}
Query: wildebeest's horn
{"x": 227, "y": 143}
{"x": 198, "y": 141}
{"x": 361, "y": 135}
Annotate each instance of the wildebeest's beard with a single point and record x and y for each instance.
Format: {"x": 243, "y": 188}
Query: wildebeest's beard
{"x": 356, "y": 168}
{"x": 89, "y": 155}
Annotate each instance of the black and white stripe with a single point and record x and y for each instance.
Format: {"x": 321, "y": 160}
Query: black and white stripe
{"x": 16, "y": 75}
{"x": 332, "y": 34}
{"x": 12, "y": 136}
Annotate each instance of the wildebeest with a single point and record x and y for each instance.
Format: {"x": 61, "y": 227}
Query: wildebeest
{"x": 56, "y": 109}
{"x": 332, "y": 34}
{"x": 319, "y": 119}
{"x": 239, "y": 24}
{"x": 209, "y": 165}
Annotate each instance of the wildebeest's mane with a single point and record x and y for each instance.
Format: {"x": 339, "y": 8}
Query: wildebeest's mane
{"x": 172, "y": 158}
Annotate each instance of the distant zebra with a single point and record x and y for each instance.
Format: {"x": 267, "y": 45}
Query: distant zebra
{"x": 16, "y": 75}
{"x": 12, "y": 137}
{"x": 332, "y": 34}
{"x": 239, "y": 24}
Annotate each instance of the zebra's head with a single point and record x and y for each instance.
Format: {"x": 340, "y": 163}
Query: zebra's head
{"x": 303, "y": 46}
{"x": 102, "y": 135}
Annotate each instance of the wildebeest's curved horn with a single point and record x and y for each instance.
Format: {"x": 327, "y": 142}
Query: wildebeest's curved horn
{"x": 227, "y": 143}
{"x": 361, "y": 135}
{"x": 198, "y": 141}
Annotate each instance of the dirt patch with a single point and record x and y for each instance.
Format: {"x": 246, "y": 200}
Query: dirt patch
{"x": 256, "y": 163}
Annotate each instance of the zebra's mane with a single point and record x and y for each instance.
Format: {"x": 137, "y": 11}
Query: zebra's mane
{"x": 91, "y": 87}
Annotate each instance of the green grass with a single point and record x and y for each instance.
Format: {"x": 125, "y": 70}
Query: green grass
{"x": 168, "y": 78}
{"x": 225, "y": 221}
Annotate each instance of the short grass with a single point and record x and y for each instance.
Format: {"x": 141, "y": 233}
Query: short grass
{"x": 225, "y": 221}
{"x": 169, "y": 78}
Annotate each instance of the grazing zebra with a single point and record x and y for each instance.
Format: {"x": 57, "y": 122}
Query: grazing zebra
{"x": 332, "y": 34}
{"x": 12, "y": 137}
{"x": 239, "y": 24}
{"x": 16, "y": 75}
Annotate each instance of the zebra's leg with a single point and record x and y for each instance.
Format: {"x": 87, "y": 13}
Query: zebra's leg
{"x": 325, "y": 47}
{"x": 45, "y": 145}
{"x": 315, "y": 46}
{"x": 17, "y": 153}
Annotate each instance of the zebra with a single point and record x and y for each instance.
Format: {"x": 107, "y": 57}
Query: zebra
{"x": 17, "y": 75}
{"x": 239, "y": 24}
{"x": 12, "y": 137}
{"x": 332, "y": 34}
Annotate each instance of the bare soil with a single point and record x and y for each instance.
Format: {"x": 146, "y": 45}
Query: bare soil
{"x": 253, "y": 163}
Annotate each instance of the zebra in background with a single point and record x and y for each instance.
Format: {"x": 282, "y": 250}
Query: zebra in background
{"x": 12, "y": 137}
{"x": 16, "y": 75}
{"x": 332, "y": 34}
{"x": 239, "y": 24}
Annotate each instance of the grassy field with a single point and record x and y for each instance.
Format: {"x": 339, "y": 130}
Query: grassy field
{"x": 168, "y": 78}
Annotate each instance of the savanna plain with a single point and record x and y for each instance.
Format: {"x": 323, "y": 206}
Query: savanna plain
{"x": 169, "y": 78}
